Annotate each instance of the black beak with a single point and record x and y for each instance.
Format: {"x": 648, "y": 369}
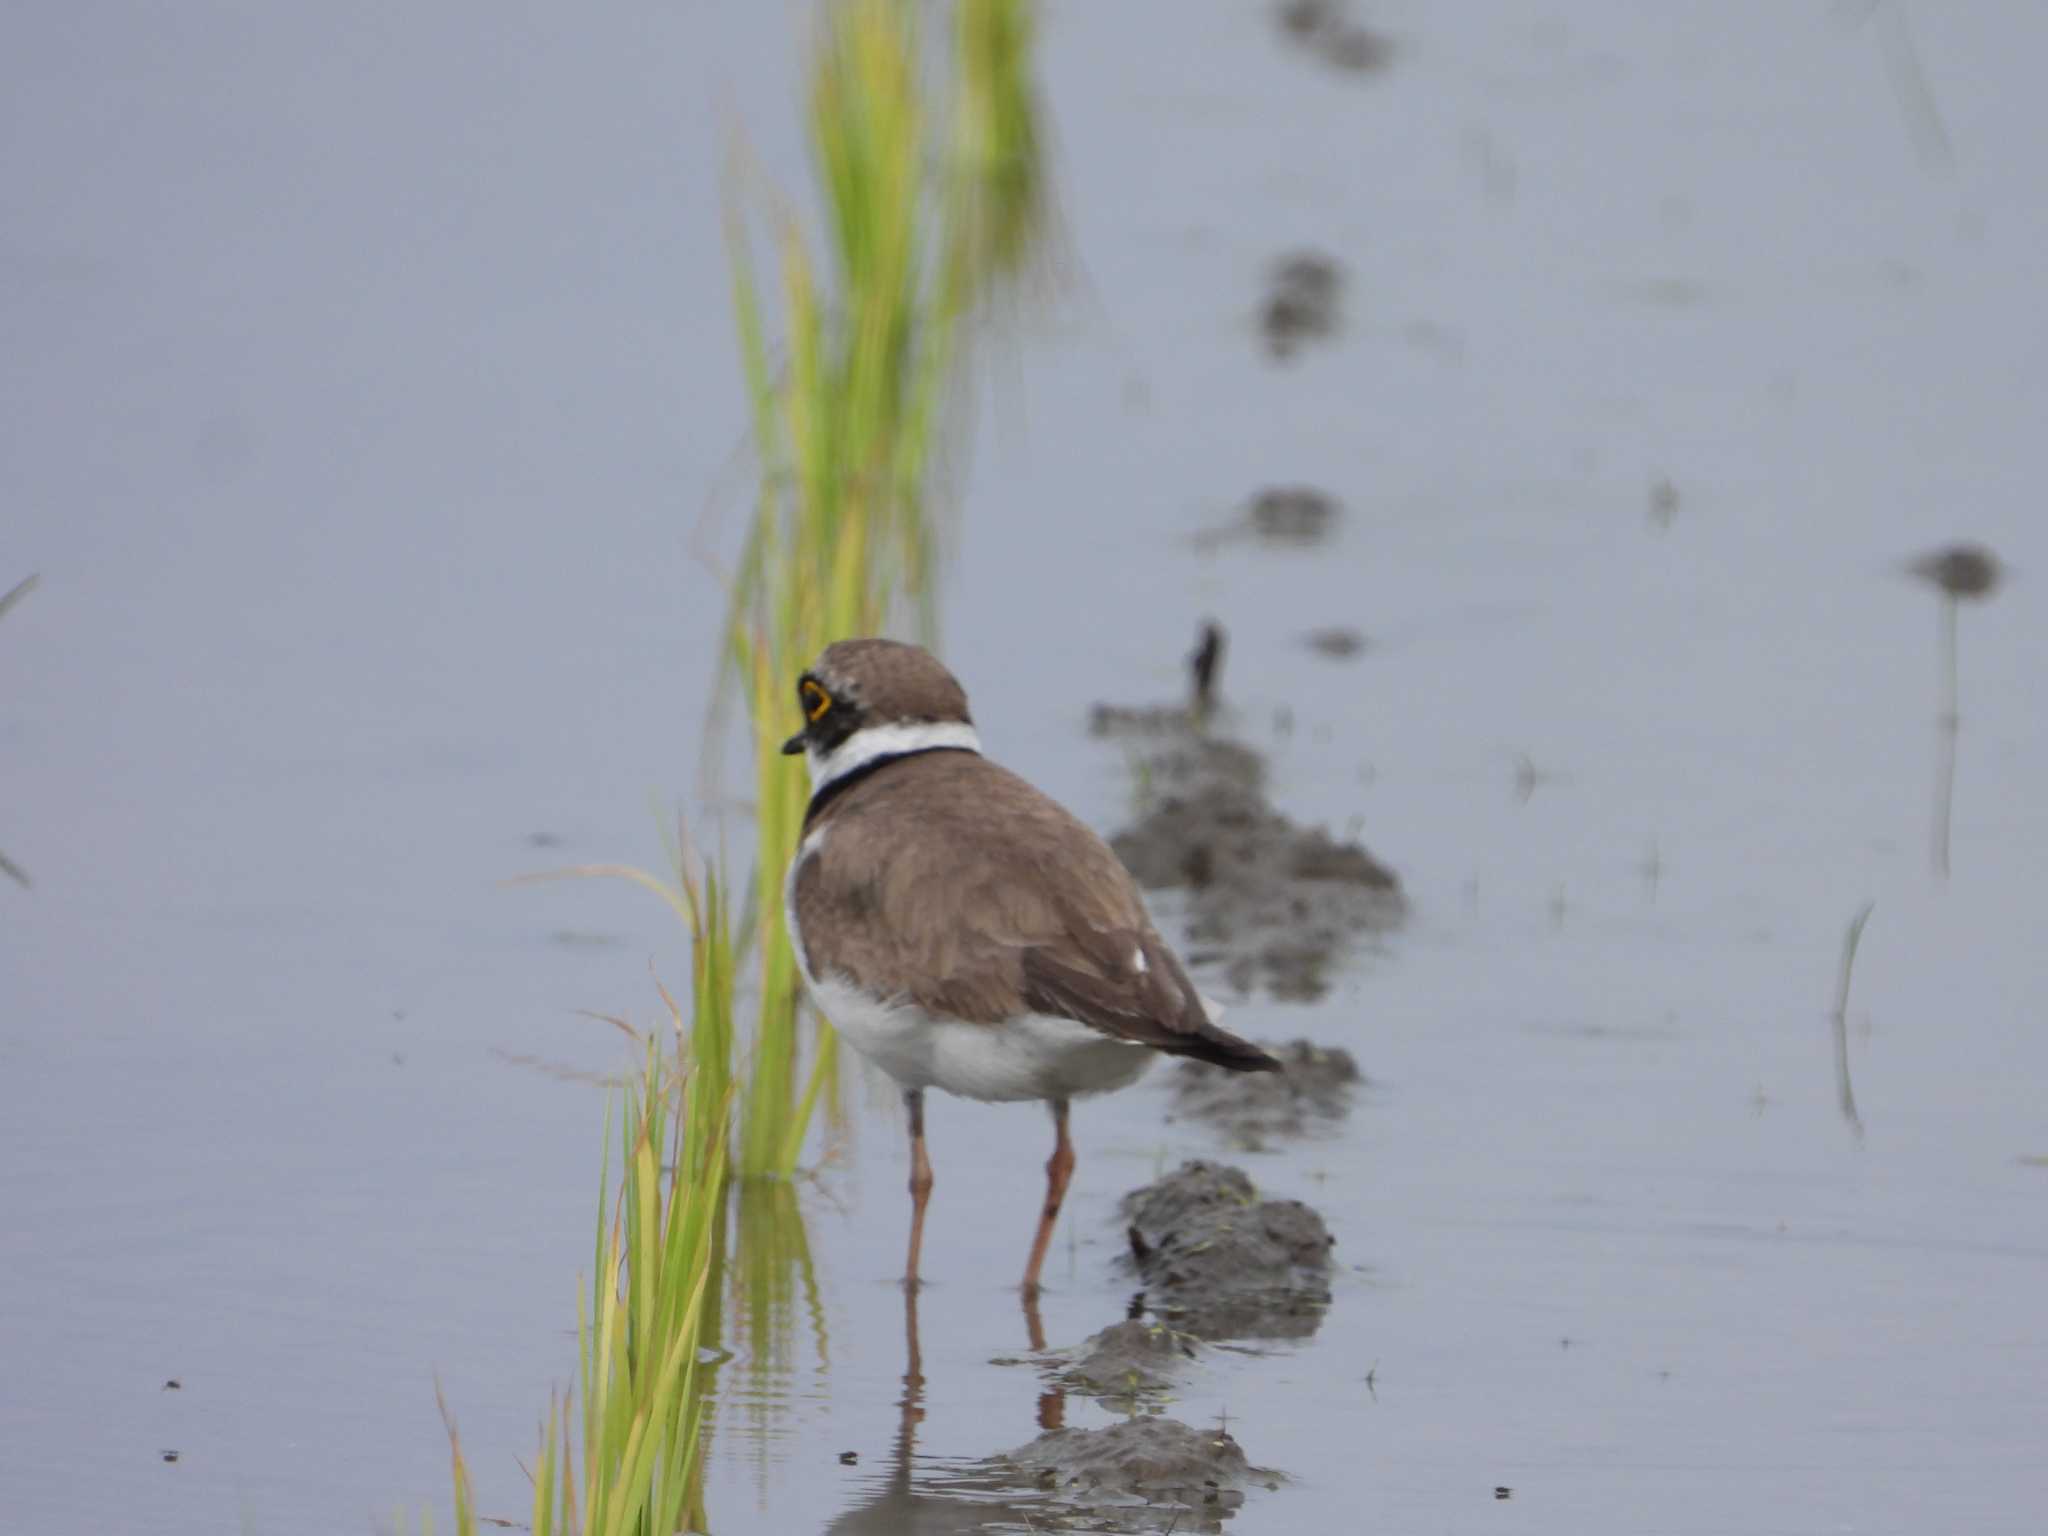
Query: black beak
{"x": 794, "y": 745}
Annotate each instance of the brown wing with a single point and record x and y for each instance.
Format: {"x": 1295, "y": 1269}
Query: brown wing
{"x": 953, "y": 884}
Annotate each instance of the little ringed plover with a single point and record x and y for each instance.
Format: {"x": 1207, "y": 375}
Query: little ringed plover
{"x": 960, "y": 929}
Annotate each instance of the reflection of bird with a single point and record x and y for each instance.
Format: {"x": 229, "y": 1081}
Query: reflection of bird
{"x": 920, "y": 1496}
{"x": 963, "y": 931}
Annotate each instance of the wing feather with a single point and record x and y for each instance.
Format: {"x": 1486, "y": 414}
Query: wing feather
{"x": 986, "y": 918}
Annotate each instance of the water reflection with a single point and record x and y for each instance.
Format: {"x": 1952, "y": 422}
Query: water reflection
{"x": 942, "y": 1497}
{"x": 764, "y": 1269}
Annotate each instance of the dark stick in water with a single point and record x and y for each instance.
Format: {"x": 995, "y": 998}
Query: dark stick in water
{"x": 1207, "y": 664}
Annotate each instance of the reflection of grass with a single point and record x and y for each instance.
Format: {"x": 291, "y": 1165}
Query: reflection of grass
{"x": 773, "y": 1270}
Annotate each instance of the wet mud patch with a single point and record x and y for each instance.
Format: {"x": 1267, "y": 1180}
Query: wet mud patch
{"x": 1218, "y": 1262}
{"x": 1312, "y": 1092}
{"x": 1145, "y": 1474}
{"x": 1303, "y": 303}
{"x": 1269, "y": 903}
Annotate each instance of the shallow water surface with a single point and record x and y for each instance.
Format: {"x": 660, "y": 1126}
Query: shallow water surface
{"x": 362, "y": 452}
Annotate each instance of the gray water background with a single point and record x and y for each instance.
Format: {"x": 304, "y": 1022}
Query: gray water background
{"x": 369, "y": 406}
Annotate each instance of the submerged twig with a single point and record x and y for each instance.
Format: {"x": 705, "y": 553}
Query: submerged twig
{"x": 1846, "y": 1091}
{"x": 17, "y": 592}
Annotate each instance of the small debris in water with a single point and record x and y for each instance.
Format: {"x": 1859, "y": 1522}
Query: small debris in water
{"x": 1529, "y": 777}
{"x": 1502, "y": 1491}
{"x": 1221, "y": 1263}
{"x": 1312, "y": 1090}
{"x": 1663, "y": 503}
{"x": 169, "y": 1455}
{"x": 1301, "y": 303}
{"x": 1335, "y": 642}
{"x": 174, "y": 1385}
{"x": 1293, "y": 514}
{"x": 573, "y": 938}
{"x": 849, "y": 1458}
{"x": 1968, "y": 571}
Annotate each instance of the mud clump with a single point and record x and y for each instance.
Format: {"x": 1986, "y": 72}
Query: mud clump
{"x": 1286, "y": 516}
{"x": 1269, "y": 901}
{"x": 1220, "y": 1263}
{"x": 1292, "y": 514}
{"x": 1312, "y": 1091}
{"x": 1302, "y": 303}
{"x": 1129, "y": 1360}
{"x": 1325, "y": 30}
{"x": 1147, "y": 1474}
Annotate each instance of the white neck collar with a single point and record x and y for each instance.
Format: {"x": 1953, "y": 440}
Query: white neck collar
{"x": 874, "y": 742}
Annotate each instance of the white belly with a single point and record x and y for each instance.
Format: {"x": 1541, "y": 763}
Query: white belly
{"x": 1031, "y": 1057}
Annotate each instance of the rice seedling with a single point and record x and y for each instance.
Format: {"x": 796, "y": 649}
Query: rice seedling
{"x": 465, "y": 1497}
{"x": 638, "y": 1439}
{"x": 629, "y": 1461}
{"x": 844, "y": 537}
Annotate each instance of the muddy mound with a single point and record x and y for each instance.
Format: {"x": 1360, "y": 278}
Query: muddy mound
{"x": 1147, "y": 1474}
{"x": 1312, "y": 1091}
{"x": 1128, "y": 1360}
{"x": 1271, "y": 902}
{"x": 1220, "y": 1263}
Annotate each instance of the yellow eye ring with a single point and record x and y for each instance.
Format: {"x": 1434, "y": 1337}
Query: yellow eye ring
{"x": 816, "y": 700}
